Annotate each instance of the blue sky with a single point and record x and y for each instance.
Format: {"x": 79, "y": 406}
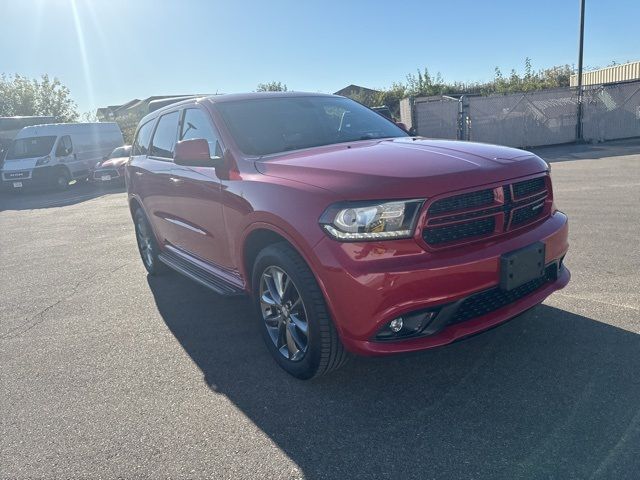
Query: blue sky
{"x": 110, "y": 51}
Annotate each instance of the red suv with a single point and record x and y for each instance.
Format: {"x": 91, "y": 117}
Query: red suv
{"x": 349, "y": 235}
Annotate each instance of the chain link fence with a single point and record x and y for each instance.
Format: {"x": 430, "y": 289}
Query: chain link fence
{"x": 531, "y": 119}
{"x": 524, "y": 119}
{"x": 611, "y": 112}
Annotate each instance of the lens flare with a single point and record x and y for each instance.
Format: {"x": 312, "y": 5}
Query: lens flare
{"x": 83, "y": 53}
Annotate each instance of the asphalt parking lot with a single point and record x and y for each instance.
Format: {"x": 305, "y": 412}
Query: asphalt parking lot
{"x": 108, "y": 373}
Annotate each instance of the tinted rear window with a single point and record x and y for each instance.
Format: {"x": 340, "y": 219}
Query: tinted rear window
{"x": 271, "y": 125}
{"x": 164, "y": 139}
{"x": 141, "y": 143}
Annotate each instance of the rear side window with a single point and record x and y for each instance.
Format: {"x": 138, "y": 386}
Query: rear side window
{"x": 141, "y": 143}
{"x": 164, "y": 139}
{"x": 196, "y": 124}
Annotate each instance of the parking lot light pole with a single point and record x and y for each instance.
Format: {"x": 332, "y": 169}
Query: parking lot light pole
{"x": 580, "y": 51}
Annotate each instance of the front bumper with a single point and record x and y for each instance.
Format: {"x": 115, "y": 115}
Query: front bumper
{"x": 106, "y": 176}
{"x": 369, "y": 284}
{"x": 36, "y": 177}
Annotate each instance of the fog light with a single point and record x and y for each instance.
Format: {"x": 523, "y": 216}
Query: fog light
{"x": 396, "y": 324}
{"x": 408, "y": 325}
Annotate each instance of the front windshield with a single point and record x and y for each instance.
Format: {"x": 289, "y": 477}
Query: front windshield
{"x": 120, "y": 152}
{"x": 262, "y": 126}
{"x": 30, "y": 147}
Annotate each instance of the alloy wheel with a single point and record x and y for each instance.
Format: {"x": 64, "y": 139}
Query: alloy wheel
{"x": 284, "y": 313}
{"x": 145, "y": 243}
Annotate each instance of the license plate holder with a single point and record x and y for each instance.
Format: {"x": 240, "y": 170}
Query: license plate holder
{"x": 522, "y": 266}
{"x": 105, "y": 178}
{"x": 17, "y": 184}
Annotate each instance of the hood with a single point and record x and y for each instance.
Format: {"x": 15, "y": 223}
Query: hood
{"x": 113, "y": 162}
{"x": 20, "y": 164}
{"x": 402, "y": 167}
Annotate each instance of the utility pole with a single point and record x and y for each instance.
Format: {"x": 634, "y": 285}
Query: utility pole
{"x": 580, "y": 51}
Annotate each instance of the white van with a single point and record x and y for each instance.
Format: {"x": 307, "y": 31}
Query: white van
{"x": 54, "y": 154}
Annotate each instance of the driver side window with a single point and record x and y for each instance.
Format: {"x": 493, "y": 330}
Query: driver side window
{"x": 196, "y": 124}
{"x": 64, "y": 147}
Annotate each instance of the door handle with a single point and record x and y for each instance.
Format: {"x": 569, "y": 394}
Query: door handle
{"x": 175, "y": 180}
{"x": 139, "y": 173}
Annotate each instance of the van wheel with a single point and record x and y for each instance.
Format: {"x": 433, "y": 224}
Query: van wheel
{"x": 147, "y": 244}
{"x": 61, "y": 179}
{"x": 294, "y": 319}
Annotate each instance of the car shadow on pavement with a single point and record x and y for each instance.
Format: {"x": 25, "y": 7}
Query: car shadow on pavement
{"x": 34, "y": 199}
{"x": 550, "y": 394}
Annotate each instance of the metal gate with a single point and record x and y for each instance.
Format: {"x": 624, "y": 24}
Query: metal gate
{"x": 531, "y": 119}
{"x": 611, "y": 112}
{"x": 436, "y": 118}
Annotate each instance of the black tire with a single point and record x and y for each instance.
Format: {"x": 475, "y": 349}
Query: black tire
{"x": 150, "y": 259}
{"x": 61, "y": 179}
{"x": 324, "y": 351}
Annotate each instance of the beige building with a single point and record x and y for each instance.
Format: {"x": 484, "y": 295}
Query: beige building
{"x": 617, "y": 73}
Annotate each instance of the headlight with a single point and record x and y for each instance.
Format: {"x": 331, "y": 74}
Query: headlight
{"x": 371, "y": 220}
{"x": 43, "y": 161}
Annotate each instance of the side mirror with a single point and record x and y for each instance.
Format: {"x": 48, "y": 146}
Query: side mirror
{"x": 195, "y": 153}
{"x": 413, "y": 132}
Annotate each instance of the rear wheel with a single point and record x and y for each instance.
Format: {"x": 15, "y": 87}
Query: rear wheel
{"x": 294, "y": 318}
{"x": 147, "y": 244}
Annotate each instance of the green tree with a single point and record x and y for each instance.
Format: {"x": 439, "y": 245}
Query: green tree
{"x": 20, "y": 95}
{"x": 89, "y": 117}
{"x": 128, "y": 124}
{"x": 272, "y": 87}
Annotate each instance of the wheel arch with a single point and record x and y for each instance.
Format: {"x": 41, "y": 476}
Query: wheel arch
{"x": 260, "y": 236}
{"x": 64, "y": 168}
{"x": 134, "y": 204}
{"x": 254, "y": 242}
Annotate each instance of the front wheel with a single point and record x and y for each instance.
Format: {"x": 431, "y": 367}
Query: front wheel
{"x": 294, "y": 319}
{"x": 61, "y": 179}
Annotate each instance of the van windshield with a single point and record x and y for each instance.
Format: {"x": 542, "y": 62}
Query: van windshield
{"x": 30, "y": 147}
{"x": 270, "y": 125}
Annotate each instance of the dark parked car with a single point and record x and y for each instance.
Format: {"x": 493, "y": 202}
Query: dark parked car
{"x": 111, "y": 169}
{"x": 349, "y": 235}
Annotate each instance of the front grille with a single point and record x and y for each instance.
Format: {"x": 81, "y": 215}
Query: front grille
{"x": 458, "y": 231}
{"x": 466, "y": 216}
{"x": 486, "y": 212}
{"x": 460, "y": 202}
{"x": 528, "y": 213}
{"x": 16, "y": 175}
{"x": 526, "y": 188}
{"x": 495, "y": 298}
{"x": 99, "y": 173}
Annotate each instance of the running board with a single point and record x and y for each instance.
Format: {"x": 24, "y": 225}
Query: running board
{"x": 198, "y": 274}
